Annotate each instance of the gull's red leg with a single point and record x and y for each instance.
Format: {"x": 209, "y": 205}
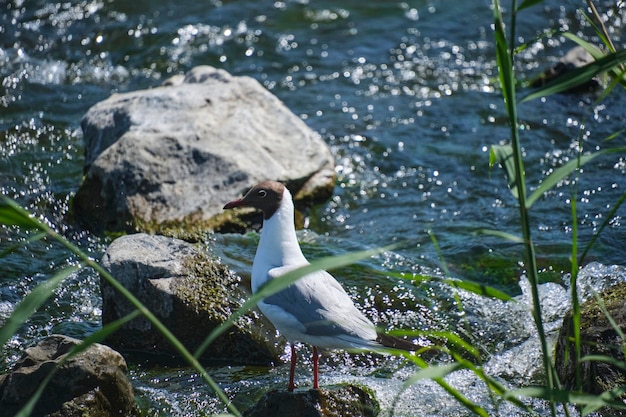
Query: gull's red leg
{"x": 316, "y": 360}
{"x": 292, "y": 371}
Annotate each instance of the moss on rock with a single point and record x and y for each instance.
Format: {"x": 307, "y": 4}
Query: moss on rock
{"x": 191, "y": 294}
{"x": 598, "y": 337}
{"x": 346, "y": 400}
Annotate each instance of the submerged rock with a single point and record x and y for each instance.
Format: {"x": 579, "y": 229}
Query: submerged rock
{"x": 344, "y": 401}
{"x": 171, "y": 156}
{"x": 598, "y": 337}
{"x": 93, "y": 382}
{"x": 190, "y": 293}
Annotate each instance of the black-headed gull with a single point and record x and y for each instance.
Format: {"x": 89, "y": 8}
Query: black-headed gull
{"x": 315, "y": 309}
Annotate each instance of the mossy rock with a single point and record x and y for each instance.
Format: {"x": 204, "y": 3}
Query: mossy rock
{"x": 194, "y": 229}
{"x": 340, "y": 400}
{"x": 598, "y": 337}
{"x": 191, "y": 294}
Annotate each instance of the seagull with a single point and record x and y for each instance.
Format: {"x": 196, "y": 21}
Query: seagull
{"x": 314, "y": 310}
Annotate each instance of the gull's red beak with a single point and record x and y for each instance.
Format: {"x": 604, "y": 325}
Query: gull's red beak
{"x": 235, "y": 203}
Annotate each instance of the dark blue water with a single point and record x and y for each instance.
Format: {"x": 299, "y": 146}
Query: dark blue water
{"x": 404, "y": 93}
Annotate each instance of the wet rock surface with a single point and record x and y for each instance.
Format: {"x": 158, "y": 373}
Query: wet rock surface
{"x": 173, "y": 155}
{"x": 343, "y": 400}
{"x": 92, "y": 382}
{"x": 598, "y": 337}
{"x": 191, "y": 294}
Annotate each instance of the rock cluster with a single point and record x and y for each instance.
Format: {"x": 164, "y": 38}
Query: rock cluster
{"x": 169, "y": 158}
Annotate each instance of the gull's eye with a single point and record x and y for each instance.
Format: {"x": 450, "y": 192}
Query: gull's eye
{"x": 262, "y": 193}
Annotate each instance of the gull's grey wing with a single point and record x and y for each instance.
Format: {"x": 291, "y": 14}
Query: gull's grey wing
{"x": 323, "y": 307}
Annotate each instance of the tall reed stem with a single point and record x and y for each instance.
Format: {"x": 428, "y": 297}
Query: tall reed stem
{"x": 505, "y": 58}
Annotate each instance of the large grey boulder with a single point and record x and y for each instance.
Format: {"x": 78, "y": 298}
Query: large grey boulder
{"x": 176, "y": 153}
{"x": 93, "y": 382}
{"x": 190, "y": 293}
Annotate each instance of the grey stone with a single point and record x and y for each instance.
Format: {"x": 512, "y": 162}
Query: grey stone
{"x": 190, "y": 293}
{"x": 343, "y": 400}
{"x": 92, "y": 382}
{"x": 576, "y": 57}
{"x": 176, "y": 153}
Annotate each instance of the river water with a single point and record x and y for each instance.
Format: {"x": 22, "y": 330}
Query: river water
{"x": 404, "y": 93}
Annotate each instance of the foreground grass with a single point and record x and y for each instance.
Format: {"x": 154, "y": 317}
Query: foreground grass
{"x": 509, "y": 157}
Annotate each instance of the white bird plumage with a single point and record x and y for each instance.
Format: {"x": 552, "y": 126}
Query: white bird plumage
{"x": 315, "y": 309}
{"x": 314, "y": 300}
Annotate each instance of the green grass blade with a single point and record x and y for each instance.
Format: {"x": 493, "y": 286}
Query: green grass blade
{"x": 11, "y": 214}
{"x": 440, "y": 335}
{"x": 503, "y": 58}
{"x": 528, "y": 3}
{"x": 478, "y": 288}
{"x": 31, "y": 302}
{"x": 618, "y": 78}
{"x": 612, "y": 136}
{"x": 464, "y": 284}
{"x": 437, "y": 373}
{"x": 556, "y": 176}
{"x": 599, "y": 28}
{"x": 616, "y": 327}
{"x": 618, "y": 363}
{"x": 593, "y": 50}
{"x": 503, "y": 155}
{"x": 442, "y": 259}
{"x": 284, "y": 281}
{"x": 604, "y": 224}
{"x": 161, "y": 328}
{"x": 564, "y": 397}
{"x": 504, "y": 235}
{"x": 563, "y": 171}
{"x": 512, "y": 161}
{"x": 611, "y": 396}
{"x": 31, "y": 239}
{"x": 450, "y": 337}
{"x": 495, "y": 386}
{"x": 466, "y": 402}
{"x": 578, "y": 76}
{"x": 432, "y": 372}
{"x": 574, "y": 288}
{"x": 96, "y": 337}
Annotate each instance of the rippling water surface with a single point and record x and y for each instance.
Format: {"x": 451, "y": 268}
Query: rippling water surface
{"x": 404, "y": 93}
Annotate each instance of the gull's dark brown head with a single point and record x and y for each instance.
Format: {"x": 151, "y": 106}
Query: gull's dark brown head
{"x": 265, "y": 196}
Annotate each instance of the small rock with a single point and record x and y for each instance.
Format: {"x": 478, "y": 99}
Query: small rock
{"x": 173, "y": 155}
{"x": 598, "y": 337}
{"x": 575, "y": 58}
{"x": 190, "y": 293}
{"x": 91, "y": 383}
{"x": 344, "y": 401}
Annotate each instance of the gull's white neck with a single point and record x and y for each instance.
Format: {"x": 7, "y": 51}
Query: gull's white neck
{"x": 278, "y": 245}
